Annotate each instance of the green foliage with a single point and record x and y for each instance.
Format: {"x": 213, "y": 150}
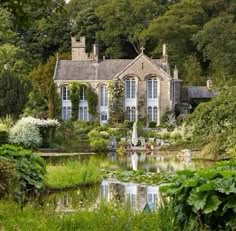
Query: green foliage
{"x": 152, "y": 124}
{"x": 72, "y": 174}
{"x": 92, "y": 98}
{"x": 214, "y": 122}
{"x": 97, "y": 140}
{"x": 43, "y": 99}
{"x": 150, "y": 178}
{"x": 104, "y": 218}
{"x": 3, "y": 134}
{"x": 206, "y": 196}
{"x": 8, "y": 121}
{"x": 12, "y": 94}
{"x": 116, "y": 89}
{"x": 30, "y": 170}
{"x": 90, "y": 94}
{"x": 74, "y": 89}
{"x": 7, "y": 177}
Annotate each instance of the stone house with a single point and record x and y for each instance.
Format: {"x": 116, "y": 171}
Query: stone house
{"x": 149, "y": 88}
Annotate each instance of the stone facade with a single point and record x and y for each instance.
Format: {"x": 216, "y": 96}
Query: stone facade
{"x": 150, "y": 90}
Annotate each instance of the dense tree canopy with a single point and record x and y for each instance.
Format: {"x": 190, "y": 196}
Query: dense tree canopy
{"x": 200, "y": 35}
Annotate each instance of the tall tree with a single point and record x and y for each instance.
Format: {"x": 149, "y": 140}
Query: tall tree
{"x": 176, "y": 28}
{"x": 217, "y": 40}
{"x": 43, "y": 96}
{"x": 12, "y": 94}
{"x": 123, "y": 22}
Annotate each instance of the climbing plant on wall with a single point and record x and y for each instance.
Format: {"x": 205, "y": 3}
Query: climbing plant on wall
{"x": 116, "y": 89}
{"x": 91, "y": 96}
{"x": 74, "y": 89}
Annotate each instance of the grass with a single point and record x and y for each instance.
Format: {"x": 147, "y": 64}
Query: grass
{"x": 72, "y": 174}
{"x": 105, "y": 218}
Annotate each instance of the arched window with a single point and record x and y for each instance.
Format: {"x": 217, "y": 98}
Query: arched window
{"x": 128, "y": 112}
{"x": 103, "y": 95}
{"x": 130, "y": 88}
{"x": 155, "y": 114}
{"x": 133, "y": 114}
{"x": 149, "y": 114}
{"x": 65, "y": 94}
{"x": 82, "y": 95}
{"x": 152, "y": 88}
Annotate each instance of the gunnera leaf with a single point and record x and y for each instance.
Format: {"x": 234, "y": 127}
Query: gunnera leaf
{"x": 212, "y": 204}
{"x": 197, "y": 199}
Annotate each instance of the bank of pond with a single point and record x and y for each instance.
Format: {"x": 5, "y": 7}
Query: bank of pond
{"x": 137, "y": 191}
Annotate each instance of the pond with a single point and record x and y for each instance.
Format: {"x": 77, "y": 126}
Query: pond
{"x": 134, "y": 194}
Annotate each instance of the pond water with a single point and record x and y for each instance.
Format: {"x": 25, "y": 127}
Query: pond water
{"x": 133, "y": 194}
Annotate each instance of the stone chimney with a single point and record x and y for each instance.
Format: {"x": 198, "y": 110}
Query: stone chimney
{"x": 164, "y": 54}
{"x": 78, "y": 49}
{"x": 96, "y": 52}
{"x": 176, "y": 73}
{"x": 209, "y": 84}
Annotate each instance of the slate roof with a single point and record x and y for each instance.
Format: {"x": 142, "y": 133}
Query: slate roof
{"x": 198, "y": 92}
{"x": 90, "y": 70}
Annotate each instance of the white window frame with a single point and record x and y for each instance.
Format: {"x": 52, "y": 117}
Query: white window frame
{"x": 130, "y": 88}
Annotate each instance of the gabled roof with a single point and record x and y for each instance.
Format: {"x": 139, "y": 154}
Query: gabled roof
{"x": 199, "y": 92}
{"x": 90, "y": 70}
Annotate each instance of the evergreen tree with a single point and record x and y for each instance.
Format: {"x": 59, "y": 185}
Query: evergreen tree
{"x": 12, "y": 94}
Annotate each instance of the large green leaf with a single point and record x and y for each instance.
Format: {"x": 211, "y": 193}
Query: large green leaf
{"x": 197, "y": 199}
{"x": 209, "y": 186}
{"x": 230, "y": 204}
{"x": 226, "y": 186}
{"x": 210, "y": 174}
{"x": 212, "y": 204}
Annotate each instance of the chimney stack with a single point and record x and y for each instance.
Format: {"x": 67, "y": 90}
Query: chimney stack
{"x": 164, "y": 54}
{"x": 176, "y": 73}
{"x": 96, "y": 52}
{"x": 209, "y": 84}
{"x": 78, "y": 49}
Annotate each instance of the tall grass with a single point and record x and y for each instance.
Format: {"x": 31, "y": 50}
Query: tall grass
{"x": 72, "y": 174}
{"x": 106, "y": 217}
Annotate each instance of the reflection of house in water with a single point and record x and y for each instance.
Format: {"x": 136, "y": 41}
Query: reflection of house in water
{"x": 135, "y": 195}
{"x": 64, "y": 204}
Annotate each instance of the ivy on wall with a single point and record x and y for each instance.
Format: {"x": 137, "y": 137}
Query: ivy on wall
{"x": 74, "y": 89}
{"x": 116, "y": 89}
{"x": 91, "y": 96}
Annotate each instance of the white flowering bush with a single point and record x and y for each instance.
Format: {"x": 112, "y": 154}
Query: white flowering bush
{"x": 25, "y": 134}
{"x": 32, "y": 132}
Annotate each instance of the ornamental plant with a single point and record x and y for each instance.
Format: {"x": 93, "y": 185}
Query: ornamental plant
{"x": 205, "y": 199}
{"x": 31, "y": 132}
{"x": 30, "y": 170}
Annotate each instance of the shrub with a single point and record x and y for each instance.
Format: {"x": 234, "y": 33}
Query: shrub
{"x": 30, "y": 169}
{"x": 207, "y": 197}
{"x": 31, "y": 132}
{"x": 152, "y": 124}
{"x": 213, "y": 119}
{"x": 99, "y": 144}
{"x": 7, "y": 176}
{"x": 3, "y": 134}
{"x": 8, "y": 121}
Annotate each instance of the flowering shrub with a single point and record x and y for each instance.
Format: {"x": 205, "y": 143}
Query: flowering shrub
{"x": 30, "y": 132}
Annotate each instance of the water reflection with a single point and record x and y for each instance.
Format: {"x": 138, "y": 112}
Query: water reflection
{"x": 153, "y": 162}
{"x": 134, "y": 195}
